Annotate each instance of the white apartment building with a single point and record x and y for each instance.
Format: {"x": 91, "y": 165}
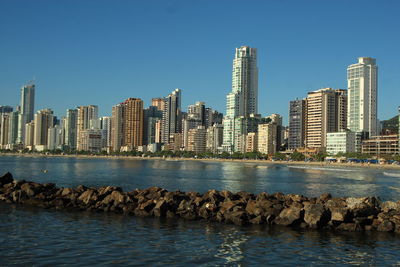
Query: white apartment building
{"x": 362, "y": 81}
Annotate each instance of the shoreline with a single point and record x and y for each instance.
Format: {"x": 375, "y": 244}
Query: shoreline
{"x": 265, "y": 162}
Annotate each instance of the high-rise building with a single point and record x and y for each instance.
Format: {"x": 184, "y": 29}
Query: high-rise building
{"x": 4, "y": 124}
{"x": 133, "y": 121}
{"x": 91, "y": 140}
{"x": 266, "y": 138}
{"x": 27, "y": 109}
{"x": 87, "y": 119}
{"x": 194, "y": 118}
{"x": 71, "y": 124}
{"x": 6, "y": 109}
{"x": 197, "y": 139}
{"x": 172, "y": 117}
{"x": 325, "y": 113}
{"x": 251, "y": 142}
{"x": 44, "y": 119}
{"x": 117, "y": 127}
{"x": 362, "y": 82}
{"x": 13, "y": 127}
{"x": 297, "y": 123}
{"x": 54, "y": 137}
{"x": 158, "y": 103}
{"x": 105, "y": 127}
{"x": 243, "y": 126}
{"x": 212, "y": 117}
{"x": 243, "y": 99}
{"x": 277, "y": 119}
{"x": 197, "y": 112}
{"x": 150, "y": 117}
{"x": 214, "y": 137}
{"x": 30, "y": 135}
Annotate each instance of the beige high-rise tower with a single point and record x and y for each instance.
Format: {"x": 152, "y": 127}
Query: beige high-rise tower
{"x": 158, "y": 102}
{"x": 133, "y": 123}
{"x": 326, "y": 111}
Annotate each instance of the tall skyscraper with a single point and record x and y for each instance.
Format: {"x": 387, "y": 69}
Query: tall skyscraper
{"x": 297, "y": 123}
{"x": 13, "y": 128}
{"x": 27, "y": 109}
{"x": 172, "y": 117}
{"x": 362, "y": 82}
{"x": 105, "y": 127}
{"x": 150, "y": 117}
{"x": 117, "y": 127}
{"x": 133, "y": 121}
{"x": 4, "y": 129}
{"x": 71, "y": 124}
{"x": 243, "y": 99}
{"x": 87, "y": 119}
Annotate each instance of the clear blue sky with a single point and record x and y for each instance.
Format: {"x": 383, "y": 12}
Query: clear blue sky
{"x": 102, "y": 52}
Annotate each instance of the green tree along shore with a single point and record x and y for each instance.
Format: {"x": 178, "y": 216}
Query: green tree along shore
{"x": 295, "y": 156}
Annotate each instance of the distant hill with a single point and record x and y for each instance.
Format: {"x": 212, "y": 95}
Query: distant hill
{"x": 391, "y": 125}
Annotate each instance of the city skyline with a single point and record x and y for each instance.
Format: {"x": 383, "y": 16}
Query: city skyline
{"x": 296, "y": 53}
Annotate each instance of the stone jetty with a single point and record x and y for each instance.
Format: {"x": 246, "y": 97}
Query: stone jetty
{"x": 241, "y": 208}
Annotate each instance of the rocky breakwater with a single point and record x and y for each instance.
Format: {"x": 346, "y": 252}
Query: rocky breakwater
{"x": 324, "y": 212}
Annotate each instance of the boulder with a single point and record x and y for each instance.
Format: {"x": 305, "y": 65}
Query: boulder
{"x": 67, "y": 191}
{"x": 363, "y": 207}
{"x": 324, "y": 197}
{"x": 155, "y": 192}
{"x": 316, "y": 216}
{"x": 229, "y": 205}
{"x": 385, "y": 226}
{"x": 29, "y": 189}
{"x": 81, "y": 188}
{"x": 88, "y": 197}
{"x": 258, "y": 220}
{"x": 106, "y": 190}
{"x": 160, "y": 208}
{"x": 263, "y": 196}
{"x": 236, "y": 217}
{"x": 289, "y": 216}
{"x": 228, "y": 195}
{"x": 245, "y": 195}
{"x": 340, "y": 214}
{"x": 6, "y": 179}
{"x": 213, "y": 196}
{"x": 390, "y": 205}
{"x": 297, "y": 198}
{"x": 147, "y": 206}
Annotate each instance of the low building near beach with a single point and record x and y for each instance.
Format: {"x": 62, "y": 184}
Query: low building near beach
{"x": 343, "y": 142}
{"x": 381, "y": 144}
